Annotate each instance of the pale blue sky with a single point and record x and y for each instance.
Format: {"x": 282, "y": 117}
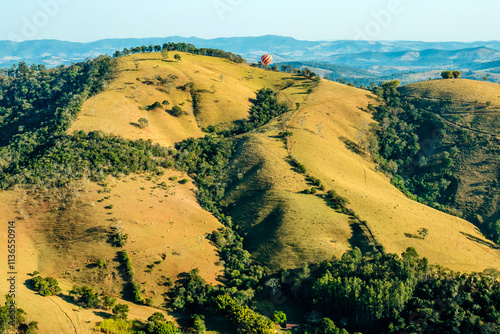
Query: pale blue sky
{"x": 90, "y": 20}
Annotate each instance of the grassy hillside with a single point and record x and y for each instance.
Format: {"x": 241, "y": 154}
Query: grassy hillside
{"x": 459, "y": 90}
{"x": 458, "y": 124}
{"x": 451, "y": 242}
{"x": 225, "y": 90}
{"x": 65, "y": 232}
{"x": 283, "y": 227}
{"x": 286, "y": 227}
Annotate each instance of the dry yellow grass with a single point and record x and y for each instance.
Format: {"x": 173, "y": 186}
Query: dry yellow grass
{"x": 67, "y": 244}
{"x": 225, "y": 87}
{"x": 460, "y": 90}
{"x": 389, "y": 213}
{"x": 283, "y": 227}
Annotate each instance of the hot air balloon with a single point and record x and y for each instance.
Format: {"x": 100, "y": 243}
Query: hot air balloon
{"x": 266, "y": 59}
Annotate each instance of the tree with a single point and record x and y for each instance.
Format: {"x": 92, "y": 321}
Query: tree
{"x": 279, "y": 317}
{"x": 177, "y": 57}
{"x": 306, "y": 72}
{"x": 457, "y": 74}
{"x": 327, "y": 326}
{"x": 392, "y": 167}
{"x": 423, "y": 232}
{"x": 447, "y": 74}
{"x": 176, "y": 111}
{"x": 108, "y": 302}
{"x": 143, "y": 122}
{"x": 85, "y": 295}
{"x": 199, "y": 324}
{"x": 120, "y": 311}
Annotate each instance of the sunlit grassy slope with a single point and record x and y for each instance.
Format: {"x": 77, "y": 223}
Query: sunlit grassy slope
{"x": 451, "y": 242}
{"x": 286, "y": 227}
{"x": 224, "y": 87}
{"x": 460, "y": 90}
{"x": 64, "y": 232}
{"x": 472, "y": 108}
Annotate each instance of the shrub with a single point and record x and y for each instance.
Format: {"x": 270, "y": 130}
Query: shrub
{"x": 102, "y": 263}
{"x": 120, "y": 311}
{"x": 176, "y": 111}
{"x": 85, "y": 295}
{"x": 184, "y": 181}
{"x": 143, "y": 122}
{"x": 108, "y": 302}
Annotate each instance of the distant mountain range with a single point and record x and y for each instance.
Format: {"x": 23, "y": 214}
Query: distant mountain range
{"x": 379, "y": 57}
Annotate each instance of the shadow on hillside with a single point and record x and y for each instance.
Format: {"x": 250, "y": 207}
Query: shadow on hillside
{"x": 481, "y": 241}
{"x": 103, "y": 315}
{"x": 413, "y": 236}
{"x": 27, "y": 284}
{"x": 68, "y": 299}
{"x": 352, "y": 146}
{"x": 262, "y": 238}
{"x": 135, "y": 124}
{"x": 127, "y": 285}
{"x": 359, "y": 239}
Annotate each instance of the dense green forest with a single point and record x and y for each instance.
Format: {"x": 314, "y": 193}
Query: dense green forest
{"x": 36, "y": 108}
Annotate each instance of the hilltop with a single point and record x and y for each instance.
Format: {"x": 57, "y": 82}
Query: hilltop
{"x": 225, "y": 90}
{"x": 457, "y": 90}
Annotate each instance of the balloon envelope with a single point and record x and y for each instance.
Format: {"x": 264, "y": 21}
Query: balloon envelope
{"x": 266, "y": 59}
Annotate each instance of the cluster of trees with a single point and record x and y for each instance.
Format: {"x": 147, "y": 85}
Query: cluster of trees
{"x": 14, "y": 320}
{"x": 403, "y": 139}
{"x": 45, "y": 286}
{"x": 94, "y": 155}
{"x": 190, "y": 293}
{"x": 451, "y": 74}
{"x": 306, "y": 72}
{"x": 414, "y": 144}
{"x": 183, "y": 47}
{"x": 156, "y": 324}
{"x": 247, "y": 320}
{"x": 239, "y": 269}
{"x": 133, "y": 285}
{"x": 368, "y": 290}
{"x": 265, "y": 108}
{"x": 37, "y": 106}
{"x": 206, "y": 159}
{"x": 395, "y": 293}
